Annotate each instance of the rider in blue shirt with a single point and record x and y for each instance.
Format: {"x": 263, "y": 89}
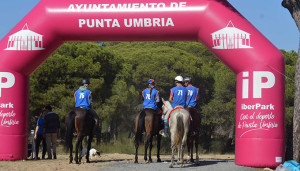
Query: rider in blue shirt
{"x": 83, "y": 99}
{"x": 151, "y": 96}
{"x": 193, "y": 93}
{"x": 191, "y": 101}
{"x": 178, "y": 95}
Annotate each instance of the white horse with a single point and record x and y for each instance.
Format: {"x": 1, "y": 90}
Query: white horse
{"x": 179, "y": 127}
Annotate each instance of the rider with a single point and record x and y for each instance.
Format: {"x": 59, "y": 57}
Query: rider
{"x": 83, "y": 99}
{"x": 151, "y": 96}
{"x": 178, "y": 95}
{"x": 192, "y": 98}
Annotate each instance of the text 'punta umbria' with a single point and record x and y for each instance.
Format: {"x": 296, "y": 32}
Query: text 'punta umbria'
{"x": 131, "y": 22}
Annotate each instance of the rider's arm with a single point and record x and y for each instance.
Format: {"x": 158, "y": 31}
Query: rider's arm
{"x": 171, "y": 97}
{"x": 157, "y": 97}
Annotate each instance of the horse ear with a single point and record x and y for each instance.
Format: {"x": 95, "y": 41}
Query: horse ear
{"x": 163, "y": 100}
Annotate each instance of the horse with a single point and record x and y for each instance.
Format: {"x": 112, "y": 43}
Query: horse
{"x": 179, "y": 122}
{"x": 190, "y": 140}
{"x": 84, "y": 125}
{"x": 150, "y": 122}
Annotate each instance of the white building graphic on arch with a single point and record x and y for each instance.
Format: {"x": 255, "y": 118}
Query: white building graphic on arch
{"x": 231, "y": 38}
{"x": 25, "y": 40}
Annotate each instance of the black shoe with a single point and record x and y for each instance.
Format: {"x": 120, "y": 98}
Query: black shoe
{"x": 54, "y": 157}
{"x": 49, "y": 158}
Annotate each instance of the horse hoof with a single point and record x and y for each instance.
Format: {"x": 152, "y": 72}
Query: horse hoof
{"x": 88, "y": 161}
{"x": 136, "y": 162}
{"x": 158, "y": 160}
{"x": 182, "y": 166}
{"x": 171, "y": 166}
{"x": 147, "y": 161}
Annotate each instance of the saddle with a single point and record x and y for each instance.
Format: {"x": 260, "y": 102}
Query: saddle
{"x": 177, "y": 107}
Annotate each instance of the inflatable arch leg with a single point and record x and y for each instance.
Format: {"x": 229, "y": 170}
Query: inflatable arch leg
{"x": 255, "y": 61}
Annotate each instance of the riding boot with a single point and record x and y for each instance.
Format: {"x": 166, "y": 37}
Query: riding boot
{"x": 165, "y": 132}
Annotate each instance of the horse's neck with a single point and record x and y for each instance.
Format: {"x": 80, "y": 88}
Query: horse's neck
{"x": 169, "y": 108}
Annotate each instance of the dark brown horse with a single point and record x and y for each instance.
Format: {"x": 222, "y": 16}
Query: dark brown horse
{"x": 84, "y": 124}
{"x": 195, "y": 138}
{"x": 150, "y": 122}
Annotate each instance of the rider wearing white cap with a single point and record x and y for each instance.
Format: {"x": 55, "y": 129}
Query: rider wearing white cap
{"x": 178, "y": 95}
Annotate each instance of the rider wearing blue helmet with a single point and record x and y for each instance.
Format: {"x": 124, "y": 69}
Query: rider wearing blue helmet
{"x": 83, "y": 99}
{"x": 150, "y": 96}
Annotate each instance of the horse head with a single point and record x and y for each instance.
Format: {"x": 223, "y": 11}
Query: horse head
{"x": 166, "y": 108}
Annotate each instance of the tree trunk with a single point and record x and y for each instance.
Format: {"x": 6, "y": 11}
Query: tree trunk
{"x": 294, "y": 7}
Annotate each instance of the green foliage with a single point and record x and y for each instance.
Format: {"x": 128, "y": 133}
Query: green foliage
{"x": 119, "y": 72}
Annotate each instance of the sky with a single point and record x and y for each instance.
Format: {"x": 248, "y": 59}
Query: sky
{"x": 268, "y": 16}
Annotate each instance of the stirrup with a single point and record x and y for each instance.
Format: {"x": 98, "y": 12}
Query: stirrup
{"x": 162, "y": 132}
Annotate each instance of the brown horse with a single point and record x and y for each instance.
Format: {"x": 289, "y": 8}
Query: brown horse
{"x": 196, "y": 119}
{"x": 84, "y": 124}
{"x": 147, "y": 121}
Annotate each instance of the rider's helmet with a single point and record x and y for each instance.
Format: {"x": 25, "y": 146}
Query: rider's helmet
{"x": 187, "y": 79}
{"x": 151, "y": 83}
{"x": 179, "y": 78}
{"x": 85, "y": 81}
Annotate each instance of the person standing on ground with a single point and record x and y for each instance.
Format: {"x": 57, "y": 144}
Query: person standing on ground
{"x": 51, "y": 130}
{"x": 39, "y": 137}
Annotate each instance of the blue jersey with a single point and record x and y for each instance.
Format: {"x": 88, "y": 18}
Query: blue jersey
{"x": 150, "y": 100}
{"x": 40, "y": 124}
{"x": 193, "y": 96}
{"x": 82, "y": 99}
{"x": 179, "y": 96}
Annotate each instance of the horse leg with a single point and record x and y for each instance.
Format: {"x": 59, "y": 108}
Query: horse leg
{"x": 196, "y": 146}
{"x": 189, "y": 150}
{"x": 146, "y": 147}
{"x": 89, "y": 148}
{"x": 178, "y": 153}
{"x": 78, "y": 142}
{"x": 80, "y": 152}
{"x": 71, "y": 153}
{"x": 150, "y": 148}
{"x": 158, "y": 147}
{"x": 181, "y": 154}
{"x": 192, "y": 149}
{"x": 172, "y": 159}
{"x": 136, "y": 152}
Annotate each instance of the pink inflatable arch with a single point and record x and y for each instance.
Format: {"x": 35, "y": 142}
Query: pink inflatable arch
{"x": 256, "y": 62}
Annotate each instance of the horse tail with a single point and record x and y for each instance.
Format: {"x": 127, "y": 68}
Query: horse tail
{"x": 70, "y": 128}
{"x": 140, "y": 127}
{"x": 179, "y": 129}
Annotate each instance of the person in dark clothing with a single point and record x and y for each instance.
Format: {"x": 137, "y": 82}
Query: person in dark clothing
{"x": 51, "y": 130}
{"x": 38, "y": 136}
